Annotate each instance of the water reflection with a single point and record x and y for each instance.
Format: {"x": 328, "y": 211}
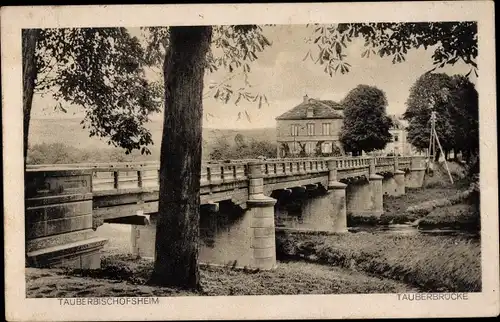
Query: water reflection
{"x": 407, "y": 229}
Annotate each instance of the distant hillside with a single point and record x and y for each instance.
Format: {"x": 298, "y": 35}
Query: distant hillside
{"x": 71, "y": 133}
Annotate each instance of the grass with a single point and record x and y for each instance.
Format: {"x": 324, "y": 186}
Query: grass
{"x": 461, "y": 216}
{"x": 431, "y": 263}
{"x": 122, "y": 275}
{"x": 414, "y": 205}
{"x": 426, "y": 207}
{"x": 437, "y": 192}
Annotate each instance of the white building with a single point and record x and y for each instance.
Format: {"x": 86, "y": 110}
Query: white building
{"x": 399, "y": 144}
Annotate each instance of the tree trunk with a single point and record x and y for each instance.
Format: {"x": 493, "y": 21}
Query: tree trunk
{"x": 437, "y": 155}
{"x": 176, "y": 260}
{"x": 29, "y": 39}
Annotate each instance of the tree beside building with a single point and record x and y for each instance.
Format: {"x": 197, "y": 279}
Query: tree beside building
{"x": 366, "y": 124}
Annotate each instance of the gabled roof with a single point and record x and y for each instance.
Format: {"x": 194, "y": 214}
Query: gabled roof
{"x": 333, "y": 104}
{"x": 321, "y": 110}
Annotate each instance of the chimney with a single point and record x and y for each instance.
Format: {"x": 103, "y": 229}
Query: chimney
{"x": 306, "y": 99}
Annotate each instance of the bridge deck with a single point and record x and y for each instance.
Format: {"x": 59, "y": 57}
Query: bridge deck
{"x": 122, "y": 189}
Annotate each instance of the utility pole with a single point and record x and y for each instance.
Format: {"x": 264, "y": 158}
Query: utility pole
{"x": 432, "y": 145}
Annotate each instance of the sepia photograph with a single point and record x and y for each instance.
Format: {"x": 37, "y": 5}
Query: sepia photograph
{"x": 325, "y": 157}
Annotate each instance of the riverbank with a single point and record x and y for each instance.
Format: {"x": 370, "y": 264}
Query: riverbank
{"x": 430, "y": 263}
{"x": 122, "y": 275}
{"x": 438, "y": 204}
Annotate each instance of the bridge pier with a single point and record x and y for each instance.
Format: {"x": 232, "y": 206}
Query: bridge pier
{"x": 389, "y": 185}
{"x": 314, "y": 207}
{"x": 59, "y": 220}
{"x": 415, "y": 178}
{"x": 229, "y": 234}
{"x": 395, "y": 184}
{"x": 322, "y": 210}
{"x": 376, "y": 195}
{"x": 365, "y": 198}
{"x": 241, "y": 237}
{"x": 358, "y": 196}
{"x": 399, "y": 179}
{"x": 143, "y": 238}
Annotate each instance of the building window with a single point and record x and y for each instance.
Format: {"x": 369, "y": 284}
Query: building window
{"x": 309, "y": 148}
{"x": 295, "y": 130}
{"x": 396, "y": 138}
{"x": 310, "y": 129}
{"x": 326, "y": 129}
{"x": 326, "y": 147}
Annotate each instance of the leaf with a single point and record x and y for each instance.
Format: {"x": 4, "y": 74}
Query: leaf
{"x": 260, "y": 102}
{"x": 338, "y": 48}
{"x": 248, "y": 116}
{"x": 238, "y": 99}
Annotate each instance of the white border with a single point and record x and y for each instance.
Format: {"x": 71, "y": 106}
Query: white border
{"x": 244, "y": 307}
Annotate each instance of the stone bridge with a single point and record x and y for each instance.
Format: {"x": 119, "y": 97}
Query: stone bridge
{"x": 242, "y": 203}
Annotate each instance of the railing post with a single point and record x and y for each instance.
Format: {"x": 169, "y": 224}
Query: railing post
{"x": 372, "y": 171}
{"x": 396, "y": 163}
{"x": 301, "y": 167}
{"x": 116, "y": 179}
{"x": 261, "y": 212}
{"x": 255, "y": 180}
{"x": 332, "y": 172}
{"x": 139, "y": 178}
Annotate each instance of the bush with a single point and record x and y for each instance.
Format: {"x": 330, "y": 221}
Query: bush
{"x": 222, "y": 150}
{"x": 358, "y": 220}
{"x": 462, "y": 216}
{"x": 426, "y": 207}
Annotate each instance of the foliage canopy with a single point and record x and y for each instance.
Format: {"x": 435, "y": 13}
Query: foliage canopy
{"x": 366, "y": 124}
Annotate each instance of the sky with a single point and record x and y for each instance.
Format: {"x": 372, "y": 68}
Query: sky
{"x": 281, "y": 74}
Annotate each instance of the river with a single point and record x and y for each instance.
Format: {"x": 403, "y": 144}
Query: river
{"x": 408, "y": 229}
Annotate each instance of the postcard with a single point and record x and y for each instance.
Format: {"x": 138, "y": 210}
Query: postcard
{"x": 250, "y": 161}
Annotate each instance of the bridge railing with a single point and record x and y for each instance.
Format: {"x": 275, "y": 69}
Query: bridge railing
{"x": 384, "y": 160}
{"x": 129, "y": 176}
{"x": 353, "y": 163}
{"x": 132, "y": 164}
{"x": 141, "y": 175}
{"x": 217, "y": 173}
{"x": 284, "y": 167}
